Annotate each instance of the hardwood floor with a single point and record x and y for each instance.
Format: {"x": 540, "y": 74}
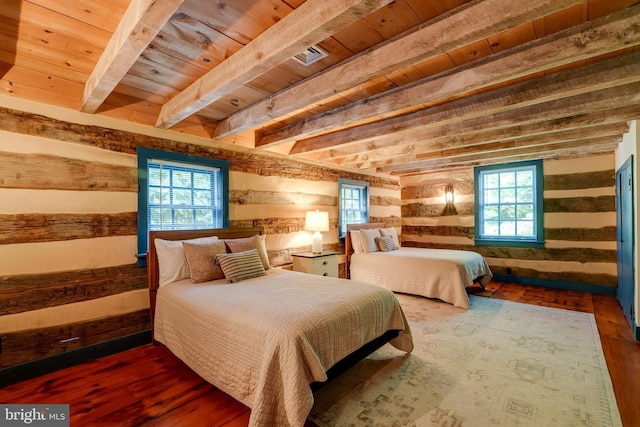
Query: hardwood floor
{"x": 149, "y": 386}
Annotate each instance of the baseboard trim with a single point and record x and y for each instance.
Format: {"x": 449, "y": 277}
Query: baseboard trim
{"x": 35, "y": 368}
{"x": 557, "y": 284}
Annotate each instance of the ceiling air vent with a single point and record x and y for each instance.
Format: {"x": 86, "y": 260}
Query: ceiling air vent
{"x": 310, "y": 55}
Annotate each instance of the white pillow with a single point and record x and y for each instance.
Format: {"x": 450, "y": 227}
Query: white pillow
{"x": 369, "y": 239}
{"x": 172, "y": 262}
{"x": 356, "y": 241}
{"x": 390, "y": 232}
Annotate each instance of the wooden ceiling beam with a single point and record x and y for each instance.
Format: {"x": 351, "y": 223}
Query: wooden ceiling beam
{"x": 556, "y": 150}
{"x": 612, "y": 72}
{"x": 466, "y": 24}
{"x": 436, "y": 149}
{"x": 312, "y": 22}
{"x": 408, "y": 152}
{"x": 141, "y": 22}
{"x": 593, "y": 38}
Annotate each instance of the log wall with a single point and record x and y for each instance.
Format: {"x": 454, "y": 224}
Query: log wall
{"x": 68, "y": 232}
{"x": 579, "y": 222}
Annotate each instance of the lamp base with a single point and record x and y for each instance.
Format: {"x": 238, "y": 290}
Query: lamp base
{"x": 316, "y": 243}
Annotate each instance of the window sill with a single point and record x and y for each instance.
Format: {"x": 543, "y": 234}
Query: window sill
{"x": 510, "y": 243}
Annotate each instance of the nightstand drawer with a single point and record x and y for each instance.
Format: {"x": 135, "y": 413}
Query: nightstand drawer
{"x": 322, "y": 264}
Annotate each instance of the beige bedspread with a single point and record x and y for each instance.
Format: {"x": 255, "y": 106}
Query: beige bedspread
{"x": 264, "y": 340}
{"x": 433, "y": 273}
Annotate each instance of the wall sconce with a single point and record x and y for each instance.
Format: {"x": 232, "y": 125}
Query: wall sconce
{"x": 316, "y": 221}
{"x": 448, "y": 194}
{"x": 449, "y": 208}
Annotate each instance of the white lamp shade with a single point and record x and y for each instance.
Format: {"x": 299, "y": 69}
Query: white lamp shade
{"x": 317, "y": 221}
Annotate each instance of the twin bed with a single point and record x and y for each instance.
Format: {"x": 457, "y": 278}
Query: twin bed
{"x": 266, "y": 340}
{"x": 432, "y": 273}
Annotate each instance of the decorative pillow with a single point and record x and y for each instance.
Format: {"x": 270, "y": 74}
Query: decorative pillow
{"x": 391, "y": 232}
{"x": 369, "y": 239}
{"x": 386, "y": 243}
{"x": 172, "y": 263}
{"x": 201, "y": 257}
{"x": 240, "y": 266}
{"x": 356, "y": 241}
{"x": 256, "y": 242}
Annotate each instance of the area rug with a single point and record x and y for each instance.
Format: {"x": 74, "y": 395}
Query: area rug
{"x": 499, "y": 363}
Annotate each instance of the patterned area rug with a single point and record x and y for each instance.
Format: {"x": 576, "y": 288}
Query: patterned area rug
{"x": 498, "y": 364}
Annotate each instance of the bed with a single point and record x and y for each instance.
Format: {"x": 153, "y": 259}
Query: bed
{"x": 268, "y": 340}
{"x": 433, "y": 273}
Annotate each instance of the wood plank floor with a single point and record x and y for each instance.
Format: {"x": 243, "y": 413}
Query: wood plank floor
{"x": 149, "y": 386}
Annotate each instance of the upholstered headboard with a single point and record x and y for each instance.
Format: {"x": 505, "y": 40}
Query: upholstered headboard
{"x": 152, "y": 257}
{"x": 348, "y": 248}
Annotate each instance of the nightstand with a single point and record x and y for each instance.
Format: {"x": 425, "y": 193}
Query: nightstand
{"x": 324, "y": 264}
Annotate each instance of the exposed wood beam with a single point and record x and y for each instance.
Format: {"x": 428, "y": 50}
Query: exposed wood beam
{"x": 397, "y": 154}
{"x": 139, "y": 25}
{"x": 607, "y": 34}
{"x": 452, "y": 147}
{"x": 312, "y": 22}
{"x": 555, "y": 150}
{"x": 469, "y": 23}
{"x": 613, "y": 72}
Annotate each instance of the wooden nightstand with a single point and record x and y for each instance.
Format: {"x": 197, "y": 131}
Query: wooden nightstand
{"x": 324, "y": 264}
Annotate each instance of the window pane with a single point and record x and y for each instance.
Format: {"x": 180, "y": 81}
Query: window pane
{"x": 525, "y": 178}
{"x": 492, "y": 196}
{"x": 507, "y": 212}
{"x": 508, "y": 228}
{"x": 201, "y": 198}
{"x": 492, "y": 181}
{"x": 507, "y": 179}
{"x": 154, "y": 196}
{"x": 525, "y": 228}
{"x": 524, "y": 212}
{"x": 204, "y": 216}
{"x": 182, "y": 197}
{"x": 201, "y": 180}
{"x": 181, "y": 179}
{"x": 508, "y": 195}
{"x": 154, "y": 176}
{"x": 492, "y": 228}
{"x": 183, "y": 216}
{"x": 525, "y": 195}
{"x": 490, "y": 212}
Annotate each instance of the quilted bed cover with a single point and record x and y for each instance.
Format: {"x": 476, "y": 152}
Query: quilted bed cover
{"x": 264, "y": 340}
{"x": 433, "y": 273}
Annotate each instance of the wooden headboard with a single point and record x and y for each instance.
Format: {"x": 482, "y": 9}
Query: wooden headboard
{"x": 348, "y": 249}
{"x": 152, "y": 256}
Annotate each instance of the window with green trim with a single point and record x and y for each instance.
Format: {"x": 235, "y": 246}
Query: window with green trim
{"x": 508, "y": 204}
{"x": 353, "y": 204}
{"x": 180, "y": 192}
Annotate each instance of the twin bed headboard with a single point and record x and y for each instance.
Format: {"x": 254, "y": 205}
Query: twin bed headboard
{"x": 152, "y": 256}
{"x": 348, "y": 248}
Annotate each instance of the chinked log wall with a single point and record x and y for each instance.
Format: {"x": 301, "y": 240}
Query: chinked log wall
{"x": 579, "y": 218}
{"x": 68, "y": 233}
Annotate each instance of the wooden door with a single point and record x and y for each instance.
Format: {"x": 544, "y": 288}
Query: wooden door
{"x": 625, "y": 240}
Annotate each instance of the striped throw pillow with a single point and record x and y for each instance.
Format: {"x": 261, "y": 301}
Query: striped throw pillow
{"x": 241, "y": 265}
{"x": 386, "y": 243}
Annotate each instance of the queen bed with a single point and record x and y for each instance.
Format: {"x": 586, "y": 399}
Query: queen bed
{"x": 266, "y": 340}
{"x": 433, "y": 273}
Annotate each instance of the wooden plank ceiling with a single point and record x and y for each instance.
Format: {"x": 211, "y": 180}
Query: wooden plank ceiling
{"x": 407, "y": 85}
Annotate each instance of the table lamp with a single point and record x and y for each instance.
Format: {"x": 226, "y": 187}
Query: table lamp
{"x": 316, "y": 221}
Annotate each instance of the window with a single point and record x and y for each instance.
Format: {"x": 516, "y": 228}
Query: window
{"x": 180, "y": 192}
{"x": 508, "y": 205}
{"x": 353, "y": 204}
